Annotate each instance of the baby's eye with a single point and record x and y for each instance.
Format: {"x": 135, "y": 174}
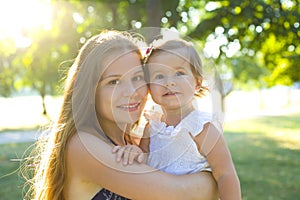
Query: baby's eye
{"x": 114, "y": 82}
{"x": 158, "y": 76}
{"x": 179, "y": 73}
{"x": 138, "y": 78}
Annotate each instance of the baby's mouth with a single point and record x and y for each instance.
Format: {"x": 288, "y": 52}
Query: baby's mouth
{"x": 170, "y": 93}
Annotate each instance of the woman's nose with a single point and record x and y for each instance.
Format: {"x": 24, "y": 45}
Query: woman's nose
{"x": 128, "y": 90}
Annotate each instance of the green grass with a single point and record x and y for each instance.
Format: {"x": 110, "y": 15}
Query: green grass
{"x": 266, "y": 153}
{"x": 11, "y": 184}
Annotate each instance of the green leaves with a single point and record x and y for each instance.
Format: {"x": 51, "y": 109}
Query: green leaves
{"x": 267, "y": 33}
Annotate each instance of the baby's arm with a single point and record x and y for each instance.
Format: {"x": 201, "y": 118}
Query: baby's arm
{"x": 212, "y": 144}
{"x": 145, "y": 141}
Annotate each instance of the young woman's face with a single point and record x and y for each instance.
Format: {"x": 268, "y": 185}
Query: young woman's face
{"x": 172, "y": 83}
{"x": 122, "y": 91}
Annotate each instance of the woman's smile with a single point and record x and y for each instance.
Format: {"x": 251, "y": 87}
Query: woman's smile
{"x": 130, "y": 107}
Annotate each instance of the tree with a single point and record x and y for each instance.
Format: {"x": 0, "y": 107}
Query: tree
{"x": 255, "y": 42}
{"x": 8, "y": 53}
{"x": 39, "y": 64}
{"x": 259, "y": 27}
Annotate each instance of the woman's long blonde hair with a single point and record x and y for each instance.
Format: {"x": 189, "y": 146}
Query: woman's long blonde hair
{"x": 47, "y": 162}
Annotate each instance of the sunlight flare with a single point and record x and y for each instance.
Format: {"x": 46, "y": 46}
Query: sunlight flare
{"x": 20, "y": 17}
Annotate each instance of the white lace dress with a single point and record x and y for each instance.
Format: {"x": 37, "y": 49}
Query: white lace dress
{"x": 173, "y": 150}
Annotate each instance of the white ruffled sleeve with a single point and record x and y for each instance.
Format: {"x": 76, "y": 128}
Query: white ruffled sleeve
{"x": 195, "y": 122}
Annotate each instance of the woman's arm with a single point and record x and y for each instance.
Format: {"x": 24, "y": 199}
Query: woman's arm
{"x": 92, "y": 159}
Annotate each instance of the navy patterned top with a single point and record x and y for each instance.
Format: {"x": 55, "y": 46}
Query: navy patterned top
{"x": 105, "y": 194}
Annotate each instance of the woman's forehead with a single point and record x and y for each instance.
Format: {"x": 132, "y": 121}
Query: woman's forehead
{"x": 126, "y": 63}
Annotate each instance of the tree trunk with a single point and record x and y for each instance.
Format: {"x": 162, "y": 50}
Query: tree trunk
{"x": 154, "y": 15}
{"x": 115, "y": 20}
{"x": 44, "y": 105}
{"x": 219, "y": 87}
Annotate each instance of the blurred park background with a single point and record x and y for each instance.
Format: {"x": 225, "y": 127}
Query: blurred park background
{"x": 254, "y": 44}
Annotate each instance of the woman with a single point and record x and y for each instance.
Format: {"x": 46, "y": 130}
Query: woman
{"x": 103, "y": 100}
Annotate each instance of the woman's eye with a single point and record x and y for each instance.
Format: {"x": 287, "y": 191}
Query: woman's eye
{"x": 138, "y": 78}
{"x": 179, "y": 73}
{"x": 114, "y": 82}
{"x": 158, "y": 76}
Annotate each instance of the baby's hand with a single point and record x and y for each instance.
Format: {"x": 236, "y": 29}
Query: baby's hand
{"x": 152, "y": 115}
{"x": 129, "y": 153}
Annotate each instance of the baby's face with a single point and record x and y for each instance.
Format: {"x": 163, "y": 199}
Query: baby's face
{"x": 172, "y": 83}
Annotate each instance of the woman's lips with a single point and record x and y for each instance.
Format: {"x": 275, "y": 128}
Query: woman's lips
{"x": 130, "y": 107}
